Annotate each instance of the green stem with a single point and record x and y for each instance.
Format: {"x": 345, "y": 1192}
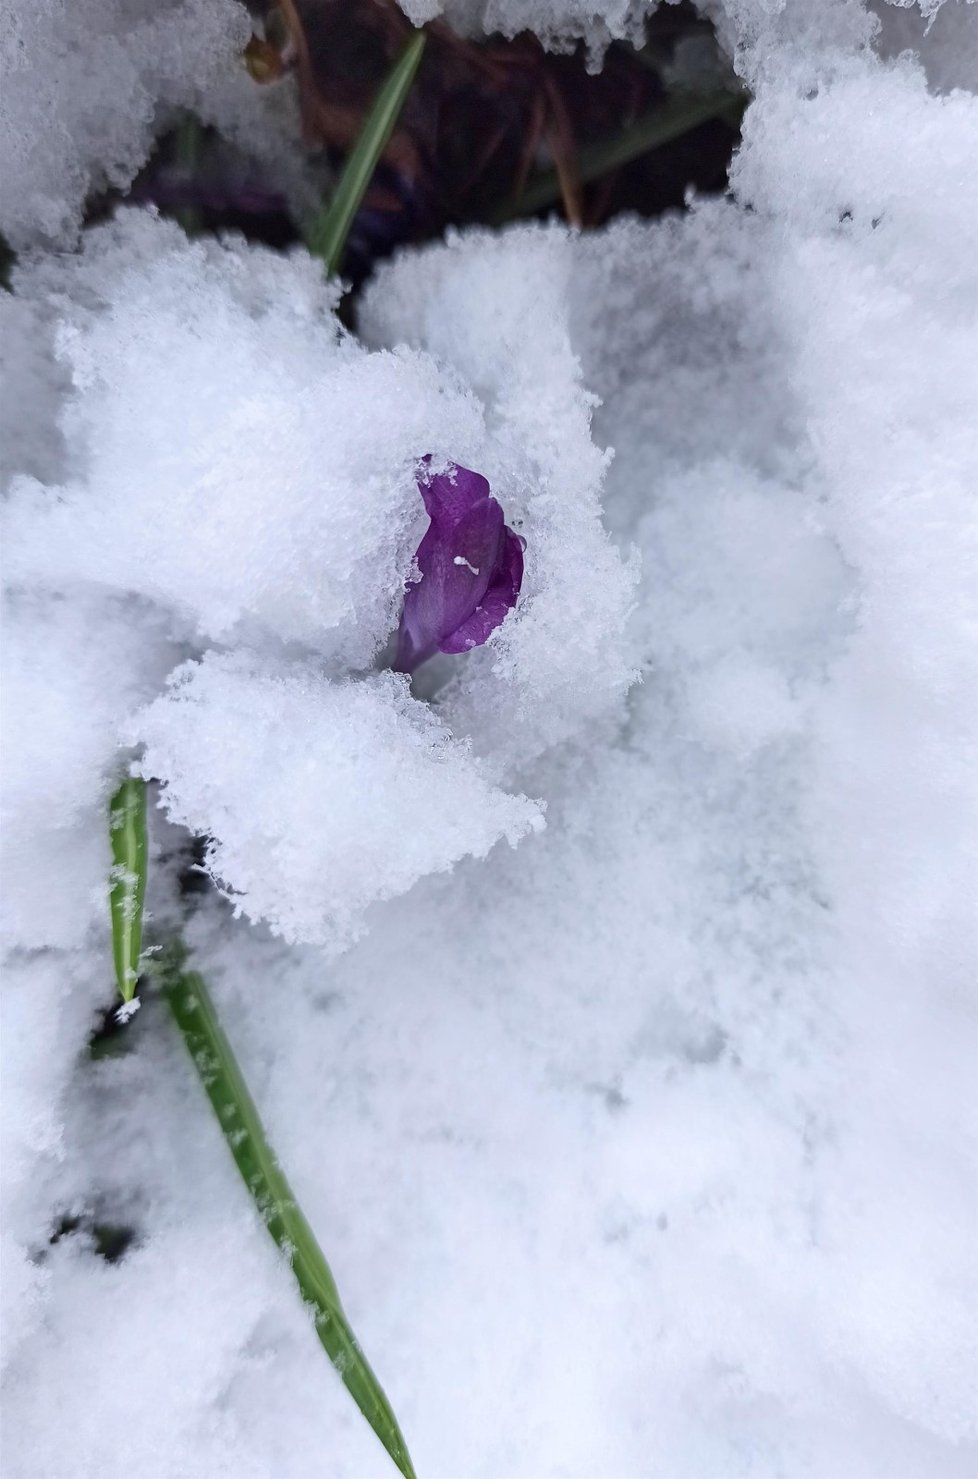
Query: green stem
{"x": 238, "y": 1118}
{"x": 188, "y": 142}
{"x": 127, "y": 837}
{"x": 327, "y": 235}
{"x": 660, "y": 126}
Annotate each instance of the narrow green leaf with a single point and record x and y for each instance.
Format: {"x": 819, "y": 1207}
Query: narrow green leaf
{"x": 238, "y": 1118}
{"x": 127, "y": 836}
{"x": 189, "y": 139}
{"x": 327, "y": 235}
{"x": 661, "y": 125}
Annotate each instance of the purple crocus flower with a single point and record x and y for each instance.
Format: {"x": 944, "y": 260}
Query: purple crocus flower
{"x": 471, "y": 567}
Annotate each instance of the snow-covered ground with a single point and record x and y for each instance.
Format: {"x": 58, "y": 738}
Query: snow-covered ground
{"x": 610, "y": 998}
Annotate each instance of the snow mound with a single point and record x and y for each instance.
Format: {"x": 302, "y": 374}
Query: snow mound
{"x": 294, "y": 439}
{"x": 322, "y": 797}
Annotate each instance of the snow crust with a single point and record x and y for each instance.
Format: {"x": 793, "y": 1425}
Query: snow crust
{"x": 645, "y": 1146}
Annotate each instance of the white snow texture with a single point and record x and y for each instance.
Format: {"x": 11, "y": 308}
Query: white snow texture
{"x": 642, "y": 1143}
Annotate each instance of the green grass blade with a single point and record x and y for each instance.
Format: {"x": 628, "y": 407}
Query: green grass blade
{"x": 189, "y": 139}
{"x": 127, "y": 836}
{"x": 239, "y": 1120}
{"x": 327, "y": 235}
{"x": 660, "y": 126}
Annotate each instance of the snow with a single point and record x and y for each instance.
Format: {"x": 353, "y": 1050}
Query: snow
{"x": 88, "y": 87}
{"x": 67, "y": 668}
{"x": 327, "y": 525}
{"x": 558, "y": 23}
{"x": 646, "y": 1145}
{"x": 944, "y": 38}
{"x": 323, "y": 797}
{"x": 84, "y": 87}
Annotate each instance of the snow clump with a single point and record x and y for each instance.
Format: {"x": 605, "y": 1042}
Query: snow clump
{"x": 86, "y": 85}
{"x": 323, "y": 797}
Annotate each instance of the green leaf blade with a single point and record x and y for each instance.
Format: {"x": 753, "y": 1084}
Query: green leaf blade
{"x": 127, "y": 892}
{"x": 668, "y": 121}
{"x": 242, "y": 1128}
{"x": 327, "y": 235}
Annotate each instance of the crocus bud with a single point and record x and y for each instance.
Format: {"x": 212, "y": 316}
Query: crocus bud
{"x": 471, "y": 568}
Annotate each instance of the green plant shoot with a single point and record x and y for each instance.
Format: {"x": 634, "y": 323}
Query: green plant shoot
{"x": 186, "y": 991}
{"x": 327, "y": 235}
{"x": 244, "y": 1133}
{"x": 127, "y": 893}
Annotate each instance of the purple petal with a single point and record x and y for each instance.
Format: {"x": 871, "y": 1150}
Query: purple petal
{"x": 457, "y": 565}
{"x": 449, "y": 496}
{"x": 471, "y": 567}
{"x": 496, "y": 604}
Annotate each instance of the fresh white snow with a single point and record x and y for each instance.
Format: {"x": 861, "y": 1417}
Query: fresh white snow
{"x": 643, "y": 1146}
